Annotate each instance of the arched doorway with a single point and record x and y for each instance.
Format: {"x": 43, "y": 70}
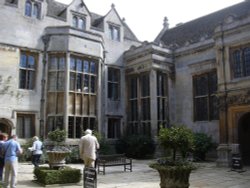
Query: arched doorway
{"x": 5, "y": 126}
{"x": 244, "y": 137}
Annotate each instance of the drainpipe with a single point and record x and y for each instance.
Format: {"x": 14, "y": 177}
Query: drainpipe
{"x": 46, "y": 40}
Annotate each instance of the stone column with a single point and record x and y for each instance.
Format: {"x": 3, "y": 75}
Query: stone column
{"x": 153, "y": 103}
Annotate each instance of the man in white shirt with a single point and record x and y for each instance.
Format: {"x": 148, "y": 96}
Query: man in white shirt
{"x": 87, "y": 147}
{"x": 36, "y": 150}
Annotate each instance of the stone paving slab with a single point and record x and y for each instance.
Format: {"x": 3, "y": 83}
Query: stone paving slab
{"x": 206, "y": 176}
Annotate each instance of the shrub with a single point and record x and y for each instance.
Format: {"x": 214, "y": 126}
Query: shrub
{"x": 57, "y": 135}
{"x": 177, "y": 139}
{"x": 105, "y": 147}
{"x": 136, "y": 146}
{"x": 74, "y": 157}
{"x": 47, "y": 176}
{"x": 202, "y": 144}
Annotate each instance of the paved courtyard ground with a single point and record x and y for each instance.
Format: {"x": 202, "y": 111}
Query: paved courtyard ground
{"x": 206, "y": 176}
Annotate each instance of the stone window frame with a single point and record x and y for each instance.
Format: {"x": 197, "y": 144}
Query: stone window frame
{"x": 82, "y": 95}
{"x": 114, "y": 32}
{"x": 162, "y": 99}
{"x": 240, "y": 61}
{"x": 76, "y": 21}
{"x": 114, "y": 128}
{"x": 25, "y": 127}
{"x": 114, "y": 83}
{"x": 204, "y": 96}
{"x": 28, "y": 70}
{"x": 34, "y": 10}
{"x": 139, "y": 114}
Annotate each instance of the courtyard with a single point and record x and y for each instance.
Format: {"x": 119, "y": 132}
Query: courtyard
{"x": 207, "y": 175}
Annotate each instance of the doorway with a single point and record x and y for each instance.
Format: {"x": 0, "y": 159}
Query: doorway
{"x": 5, "y": 126}
{"x": 244, "y": 138}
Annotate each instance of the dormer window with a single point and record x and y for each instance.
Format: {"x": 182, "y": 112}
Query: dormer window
{"x": 79, "y": 22}
{"x": 32, "y": 9}
{"x": 114, "y": 33}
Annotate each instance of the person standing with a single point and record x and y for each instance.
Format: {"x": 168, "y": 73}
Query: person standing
{"x": 87, "y": 147}
{"x": 3, "y": 139}
{"x": 13, "y": 149}
{"x": 36, "y": 150}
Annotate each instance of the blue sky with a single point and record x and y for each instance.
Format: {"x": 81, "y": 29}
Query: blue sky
{"x": 145, "y": 18}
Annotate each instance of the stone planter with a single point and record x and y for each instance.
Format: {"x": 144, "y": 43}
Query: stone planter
{"x": 173, "y": 176}
{"x": 57, "y": 158}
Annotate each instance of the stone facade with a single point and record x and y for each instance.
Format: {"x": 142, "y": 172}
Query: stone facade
{"x": 64, "y": 66}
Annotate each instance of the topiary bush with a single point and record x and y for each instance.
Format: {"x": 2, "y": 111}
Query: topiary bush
{"x": 177, "y": 139}
{"x": 136, "y": 146}
{"x": 63, "y": 175}
{"x": 202, "y": 144}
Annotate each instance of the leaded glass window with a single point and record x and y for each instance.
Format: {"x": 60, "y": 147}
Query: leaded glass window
{"x": 205, "y": 101}
{"x": 240, "y": 58}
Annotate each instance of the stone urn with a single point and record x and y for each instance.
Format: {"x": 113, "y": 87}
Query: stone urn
{"x": 173, "y": 176}
{"x": 57, "y": 151}
{"x": 57, "y": 158}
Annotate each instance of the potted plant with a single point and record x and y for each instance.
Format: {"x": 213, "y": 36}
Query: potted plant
{"x": 174, "y": 173}
{"x": 58, "y": 152}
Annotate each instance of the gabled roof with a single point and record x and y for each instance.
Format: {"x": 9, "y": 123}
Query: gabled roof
{"x": 204, "y": 26}
{"x": 56, "y": 9}
{"x": 59, "y": 10}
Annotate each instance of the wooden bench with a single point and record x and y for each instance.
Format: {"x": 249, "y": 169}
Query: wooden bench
{"x": 113, "y": 160}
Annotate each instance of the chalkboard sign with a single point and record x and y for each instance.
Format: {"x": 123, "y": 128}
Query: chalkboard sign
{"x": 89, "y": 178}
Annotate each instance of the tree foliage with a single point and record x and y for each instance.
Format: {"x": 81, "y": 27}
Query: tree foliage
{"x": 178, "y": 139}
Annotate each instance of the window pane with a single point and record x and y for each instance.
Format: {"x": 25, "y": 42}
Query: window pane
{"x": 93, "y": 67}
{"x": 31, "y": 62}
{"x": 237, "y": 69}
{"x": 212, "y": 82}
{"x": 79, "y": 82}
{"x": 86, "y": 83}
{"x": 30, "y": 80}
{"x": 71, "y": 127}
{"x": 52, "y": 81}
{"x": 22, "y": 78}
{"x": 72, "y": 64}
{"x": 61, "y": 81}
{"x": 214, "y": 113}
{"x": 86, "y": 66}
{"x": 36, "y": 11}
{"x": 28, "y": 8}
{"x": 133, "y": 88}
{"x": 79, "y": 65}
{"x": 61, "y": 65}
{"x": 201, "y": 85}
{"x": 145, "y": 85}
{"x": 74, "y": 22}
{"x": 23, "y": 61}
{"x": 201, "y": 109}
{"x": 81, "y": 24}
{"x": 92, "y": 84}
{"x": 247, "y": 61}
{"x": 72, "y": 81}
{"x": 53, "y": 63}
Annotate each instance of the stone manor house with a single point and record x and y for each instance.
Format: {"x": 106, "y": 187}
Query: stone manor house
{"x": 65, "y": 66}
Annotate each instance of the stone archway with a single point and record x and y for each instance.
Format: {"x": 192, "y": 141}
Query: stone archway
{"x": 244, "y": 137}
{"x": 6, "y": 126}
